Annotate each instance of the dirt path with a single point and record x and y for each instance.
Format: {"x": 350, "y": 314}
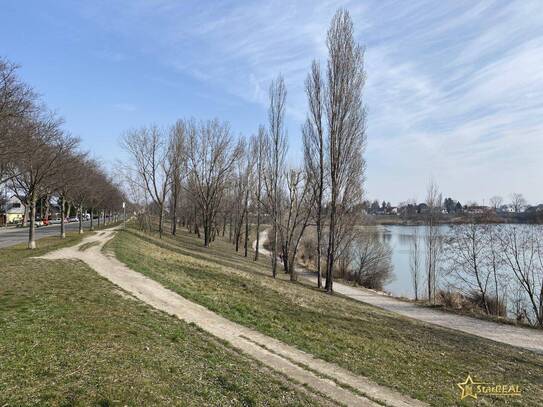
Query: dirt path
{"x": 527, "y": 338}
{"x": 303, "y": 368}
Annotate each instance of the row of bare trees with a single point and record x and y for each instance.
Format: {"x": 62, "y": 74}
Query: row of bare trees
{"x": 202, "y": 177}
{"x": 41, "y": 162}
{"x": 499, "y": 265}
{"x": 327, "y": 191}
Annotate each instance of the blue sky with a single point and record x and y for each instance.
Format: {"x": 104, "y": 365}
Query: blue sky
{"x": 454, "y": 90}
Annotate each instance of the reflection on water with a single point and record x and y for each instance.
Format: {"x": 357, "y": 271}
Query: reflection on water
{"x": 399, "y": 238}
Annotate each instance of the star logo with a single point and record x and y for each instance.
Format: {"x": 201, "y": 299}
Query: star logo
{"x": 467, "y": 388}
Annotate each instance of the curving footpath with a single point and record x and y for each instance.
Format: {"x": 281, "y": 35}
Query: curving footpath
{"x": 527, "y": 338}
{"x": 318, "y": 376}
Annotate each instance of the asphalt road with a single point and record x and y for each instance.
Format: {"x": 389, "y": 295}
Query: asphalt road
{"x": 10, "y": 235}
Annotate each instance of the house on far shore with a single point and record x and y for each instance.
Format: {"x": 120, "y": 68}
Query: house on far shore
{"x": 506, "y": 209}
{"x": 12, "y": 212}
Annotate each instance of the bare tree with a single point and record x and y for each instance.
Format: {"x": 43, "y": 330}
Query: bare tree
{"x": 295, "y": 216}
{"x": 241, "y": 191}
{"x": 372, "y": 264}
{"x": 40, "y": 163}
{"x": 83, "y": 193}
{"x": 495, "y": 263}
{"x": 346, "y": 136}
{"x": 70, "y": 176}
{"x": 433, "y": 238}
{"x": 176, "y": 157}
{"x": 251, "y": 180}
{"x": 211, "y": 154}
{"x": 260, "y": 146}
{"x": 276, "y": 147}
{"x": 496, "y": 202}
{"x": 522, "y": 251}
{"x": 415, "y": 261}
{"x": 17, "y": 103}
{"x": 466, "y": 260}
{"x": 517, "y": 202}
{"x": 314, "y": 153}
{"x": 150, "y": 166}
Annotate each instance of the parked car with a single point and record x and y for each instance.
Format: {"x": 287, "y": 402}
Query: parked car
{"x": 73, "y": 219}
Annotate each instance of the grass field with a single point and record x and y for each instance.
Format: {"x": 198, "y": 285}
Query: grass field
{"x": 70, "y": 338}
{"x": 422, "y": 361}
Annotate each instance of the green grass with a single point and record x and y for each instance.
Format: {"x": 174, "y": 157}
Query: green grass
{"x": 417, "y": 359}
{"x": 69, "y": 337}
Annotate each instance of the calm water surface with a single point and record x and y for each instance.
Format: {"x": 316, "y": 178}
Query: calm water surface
{"x": 399, "y": 238}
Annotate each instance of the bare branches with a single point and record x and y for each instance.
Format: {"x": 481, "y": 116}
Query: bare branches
{"x": 211, "y": 154}
{"x": 38, "y": 169}
{"x": 433, "y": 240}
{"x": 346, "y": 125}
{"x": 276, "y": 147}
{"x": 521, "y": 248}
{"x": 17, "y": 105}
{"x": 314, "y": 152}
{"x": 149, "y": 153}
{"x": 518, "y": 202}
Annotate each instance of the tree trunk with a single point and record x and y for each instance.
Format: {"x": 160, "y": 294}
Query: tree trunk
{"x": 239, "y": 225}
{"x": 32, "y": 229}
{"x": 161, "y": 221}
{"x": 257, "y": 243}
{"x": 174, "y": 209}
{"x": 206, "y": 233}
{"x": 292, "y": 268}
{"x": 319, "y": 242}
{"x": 331, "y": 250}
{"x": 80, "y": 219}
{"x": 92, "y": 219}
{"x": 62, "y": 228}
{"x": 246, "y": 231}
{"x": 25, "y": 215}
{"x": 274, "y": 250}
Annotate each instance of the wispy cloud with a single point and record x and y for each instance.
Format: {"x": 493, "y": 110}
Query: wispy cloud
{"x": 454, "y": 91}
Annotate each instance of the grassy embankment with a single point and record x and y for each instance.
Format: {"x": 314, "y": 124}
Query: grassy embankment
{"x": 420, "y": 360}
{"x": 67, "y": 337}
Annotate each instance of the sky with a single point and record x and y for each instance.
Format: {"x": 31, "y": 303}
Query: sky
{"x": 454, "y": 89}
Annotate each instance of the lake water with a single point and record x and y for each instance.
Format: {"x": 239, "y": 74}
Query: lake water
{"x": 399, "y": 238}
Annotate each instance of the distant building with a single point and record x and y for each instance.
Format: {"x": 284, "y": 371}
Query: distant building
{"x": 13, "y": 211}
{"x": 506, "y": 209}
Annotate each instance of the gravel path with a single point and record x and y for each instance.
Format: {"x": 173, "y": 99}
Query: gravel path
{"x": 303, "y": 368}
{"x": 526, "y": 338}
